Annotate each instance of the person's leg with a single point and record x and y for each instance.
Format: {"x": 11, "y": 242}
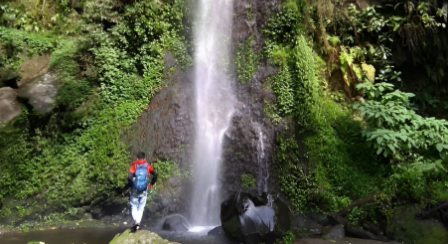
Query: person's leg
{"x": 134, "y": 208}
{"x": 141, "y": 207}
{"x": 130, "y": 207}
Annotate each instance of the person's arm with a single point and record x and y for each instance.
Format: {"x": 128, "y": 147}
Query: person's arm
{"x": 154, "y": 177}
{"x": 131, "y": 175}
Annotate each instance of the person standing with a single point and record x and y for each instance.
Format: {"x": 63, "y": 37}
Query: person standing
{"x": 138, "y": 179}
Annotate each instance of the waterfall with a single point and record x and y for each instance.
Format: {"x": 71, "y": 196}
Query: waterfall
{"x": 214, "y": 105}
{"x": 263, "y": 175}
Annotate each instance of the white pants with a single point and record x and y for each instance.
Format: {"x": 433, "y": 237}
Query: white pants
{"x": 138, "y": 202}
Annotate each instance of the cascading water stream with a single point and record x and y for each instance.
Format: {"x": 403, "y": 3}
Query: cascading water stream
{"x": 263, "y": 177}
{"x": 214, "y": 105}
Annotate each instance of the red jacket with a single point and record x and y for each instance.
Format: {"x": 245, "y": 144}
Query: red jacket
{"x": 140, "y": 161}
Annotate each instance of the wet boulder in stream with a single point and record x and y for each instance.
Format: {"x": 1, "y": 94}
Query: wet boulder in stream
{"x": 176, "y": 222}
{"x": 255, "y": 219}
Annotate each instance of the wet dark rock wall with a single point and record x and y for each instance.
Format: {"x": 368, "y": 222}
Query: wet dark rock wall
{"x": 250, "y": 127}
{"x": 164, "y": 131}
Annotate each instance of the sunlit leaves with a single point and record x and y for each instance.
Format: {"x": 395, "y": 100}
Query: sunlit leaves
{"x": 396, "y": 131}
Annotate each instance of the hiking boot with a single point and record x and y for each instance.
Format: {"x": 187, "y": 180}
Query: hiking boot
{"x": 135, "y": 228}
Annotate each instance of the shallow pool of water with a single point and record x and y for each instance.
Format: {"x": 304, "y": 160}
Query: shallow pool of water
{"x": 102, "y": 236}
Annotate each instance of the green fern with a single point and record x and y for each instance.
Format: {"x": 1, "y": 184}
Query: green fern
{"x": 353, "y": 67}
{"x": 334, "y": 40}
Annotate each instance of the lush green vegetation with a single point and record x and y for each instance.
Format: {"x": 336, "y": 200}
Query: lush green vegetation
{"x": 336, "y": 153}
{"x": 107, "y": 73}
{"x": 333, "y": 174}
{"x": 18, "y": 45}
{"x": 378, "y": 39}
{"x": 414, "y": 232}
{"x": 245, "y": 61}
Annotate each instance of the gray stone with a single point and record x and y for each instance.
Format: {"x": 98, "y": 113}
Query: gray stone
{"x": 9, "y": 107}
{"x": 176, "y": 222}
{"x": 311, "y": 223}
{"x": 33, "y": 68}
{"x": 308, "y": 220}
{"x": 169, "y": 60}
{"x": 40, "y": 93}
{"x": 336, "y": 232}
{"x": 315, "y": 231}
{"x": 139, "y": 237}
{"x": 217, "y": 231}
{"x": 364, "y": 234}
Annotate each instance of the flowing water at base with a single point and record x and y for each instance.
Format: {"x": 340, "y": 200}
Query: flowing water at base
{"x": 105, "y": 235}
{"x": 102, "y": 236}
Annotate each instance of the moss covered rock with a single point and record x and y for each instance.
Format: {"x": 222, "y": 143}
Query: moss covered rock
{"x": 139, "y": 237}
{"x": 407, "y": 229}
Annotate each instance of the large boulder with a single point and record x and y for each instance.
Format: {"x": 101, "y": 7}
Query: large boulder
{"x": 139, "y": 237}
{"x": 255, "y": 219}
{"x": 336, "y": 232}
{"x": 33, "y": 68}
{"x": 176, "y": 222}
{"x": 310, "y": 223}
{"x": 40, "y": 92}
{"x": 9, "y": 108}
{"x": 9, "y": 77}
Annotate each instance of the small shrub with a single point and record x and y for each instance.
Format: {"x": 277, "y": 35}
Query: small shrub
{"x": 246, "y": 61}
{"x": 247, "y": 181}
{"x": 181, "y": 53}
{"x": 15, "y": 42}
{"x": 5, "y": 212}
{"x": 22, "y": 212}
{"x": 289, "y": 238}
{"x": 283, "y": 87}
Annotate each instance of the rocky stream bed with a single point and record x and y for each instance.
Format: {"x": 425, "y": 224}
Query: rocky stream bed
{"x": 152, "y": 236}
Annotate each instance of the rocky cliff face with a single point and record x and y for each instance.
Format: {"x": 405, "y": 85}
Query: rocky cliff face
{"x": 164, "y": 131}
{"x": 249, "y": 146}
